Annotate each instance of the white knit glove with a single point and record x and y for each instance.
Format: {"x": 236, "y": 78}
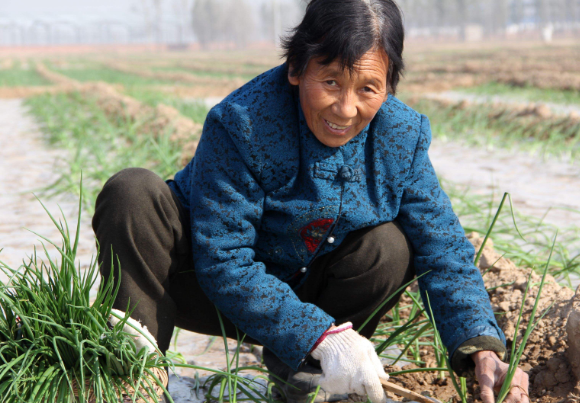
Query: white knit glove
{"x": 142, "y": 336}
{"x": 350, "y": 364}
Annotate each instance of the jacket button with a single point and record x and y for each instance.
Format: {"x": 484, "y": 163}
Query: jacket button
{"x": 330, "y": 239}
{"x": 346, "y": 172}
{"x": 304, "y": 269}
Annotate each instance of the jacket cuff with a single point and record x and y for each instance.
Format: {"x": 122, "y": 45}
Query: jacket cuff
{"x": 461, "y": 362}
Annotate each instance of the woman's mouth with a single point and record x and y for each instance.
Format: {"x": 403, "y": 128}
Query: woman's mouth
{"x": 334, "y": 128}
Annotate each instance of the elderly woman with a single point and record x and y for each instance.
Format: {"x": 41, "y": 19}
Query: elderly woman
{"x": 310, "y": 201}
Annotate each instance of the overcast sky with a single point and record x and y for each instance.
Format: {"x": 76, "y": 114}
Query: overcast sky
{"x": 114, "y": 9}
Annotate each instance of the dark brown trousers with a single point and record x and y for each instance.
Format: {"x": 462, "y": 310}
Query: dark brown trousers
{"x": 139, "y": 221}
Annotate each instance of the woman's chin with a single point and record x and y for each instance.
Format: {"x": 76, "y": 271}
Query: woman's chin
{"x": 333, "y": 141}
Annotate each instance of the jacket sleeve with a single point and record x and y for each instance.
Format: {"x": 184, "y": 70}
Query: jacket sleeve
{"x": 226, "y": 206}
{"x": 459, "y": 301}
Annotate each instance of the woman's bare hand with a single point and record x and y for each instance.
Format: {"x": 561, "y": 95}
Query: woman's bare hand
{"x": 491, "y": 373}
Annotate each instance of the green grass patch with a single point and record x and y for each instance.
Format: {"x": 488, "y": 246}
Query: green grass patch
{"x": 484, "y": 126}
{"x": 16, "y": 77}
{"x": 196, "y": 111}
{"x": 54, "y": 338}
{"x": 98, "y": 146}
{"x": 110, "y": 76}
{"x": 208, "y": 74}
{"x": 528, "y": 93}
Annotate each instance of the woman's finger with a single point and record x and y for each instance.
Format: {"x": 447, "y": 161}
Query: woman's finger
{"x": 374, "y": 390}
{"x": 519, "y": 387}
{"x": 378, "y": 365}
{"x": 517, "y": 394}
{"x": 486, "y": 388}
{"x": 525, "y": 382}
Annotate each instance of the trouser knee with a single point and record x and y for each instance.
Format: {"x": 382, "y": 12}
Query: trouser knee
{"x": 129, "y": 191}
{"x": 370, "y": 266}
{"x": 384, "y": 246}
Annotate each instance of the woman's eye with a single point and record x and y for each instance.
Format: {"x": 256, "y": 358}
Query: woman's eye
{"x": 331, "y": 82}
{"x": 367, "y": 89}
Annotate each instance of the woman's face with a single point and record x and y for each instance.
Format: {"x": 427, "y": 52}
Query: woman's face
{"x": 339, "y": 105}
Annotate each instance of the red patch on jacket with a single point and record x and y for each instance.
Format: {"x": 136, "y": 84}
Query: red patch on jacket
{"x": 313, "y": 233}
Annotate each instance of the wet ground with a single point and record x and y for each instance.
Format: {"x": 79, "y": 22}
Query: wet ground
{"x": 27, "y": 165}
{"x": 536, "y": 185}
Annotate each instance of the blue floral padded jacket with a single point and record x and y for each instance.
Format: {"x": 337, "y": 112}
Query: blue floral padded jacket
{"x": 264, "y": 194}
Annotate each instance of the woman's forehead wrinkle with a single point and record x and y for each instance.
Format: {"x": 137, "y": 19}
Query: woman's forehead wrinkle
{"x": 368, "y": 67}
{"x": 331, "y": 69}
{"x": 371, "y": 66}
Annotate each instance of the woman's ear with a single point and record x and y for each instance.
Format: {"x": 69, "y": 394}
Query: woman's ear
{"x": 294, "y": 80}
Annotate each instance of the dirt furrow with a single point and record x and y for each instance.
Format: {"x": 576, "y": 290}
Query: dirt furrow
{"x": 557, "y": 110}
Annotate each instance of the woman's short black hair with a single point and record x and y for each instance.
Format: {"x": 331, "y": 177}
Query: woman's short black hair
{"x": 345, "y": 30}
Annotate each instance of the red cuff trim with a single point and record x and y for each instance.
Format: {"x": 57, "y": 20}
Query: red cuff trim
{"x": 338, "y": 329}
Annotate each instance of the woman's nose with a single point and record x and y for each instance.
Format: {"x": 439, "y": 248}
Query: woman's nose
{"x": 345, "y": 106}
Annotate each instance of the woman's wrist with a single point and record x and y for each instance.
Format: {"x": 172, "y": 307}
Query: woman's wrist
{"x": 333, "y": 329}
{"x": 480, "y": 355}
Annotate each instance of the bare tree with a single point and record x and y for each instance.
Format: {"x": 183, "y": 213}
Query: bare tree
{"x": 181, "y": 9}
{"x": 239, "y": 22}
{"x": 267, "y": 23}
{"x": 152, "y": 13}
{"x": 205, "y": 20}
{"x": 223, "y": 21}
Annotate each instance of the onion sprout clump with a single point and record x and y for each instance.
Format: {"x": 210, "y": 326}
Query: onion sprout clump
{"x": 53, "y": 339}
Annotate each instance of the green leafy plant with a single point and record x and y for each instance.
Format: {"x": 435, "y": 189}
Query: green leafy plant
{"x": 98, "y": 146}
{"x": 484, "y": 125}
{"x": 516, "y": 354}
{"x": 525, "y": 93}
{"x": 249, "y": 388}
{"x": 56, "y": 344}
{"x": 418, "y": 332}
{"x": 18, "y": 77}
{"x": 459, "y": 387}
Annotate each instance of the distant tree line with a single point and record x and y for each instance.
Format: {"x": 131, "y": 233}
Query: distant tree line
{"x": 235, "y": 21}
{"x": 240, "y": 22}
{"x": 495, "y": 17}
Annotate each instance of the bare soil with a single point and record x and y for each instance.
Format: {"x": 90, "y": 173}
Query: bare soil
{"x": 548, "y": 358}
{"x": 24, "y": 92}
{"x": 178, "y": 76}
{"x": 436, "y": 70}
